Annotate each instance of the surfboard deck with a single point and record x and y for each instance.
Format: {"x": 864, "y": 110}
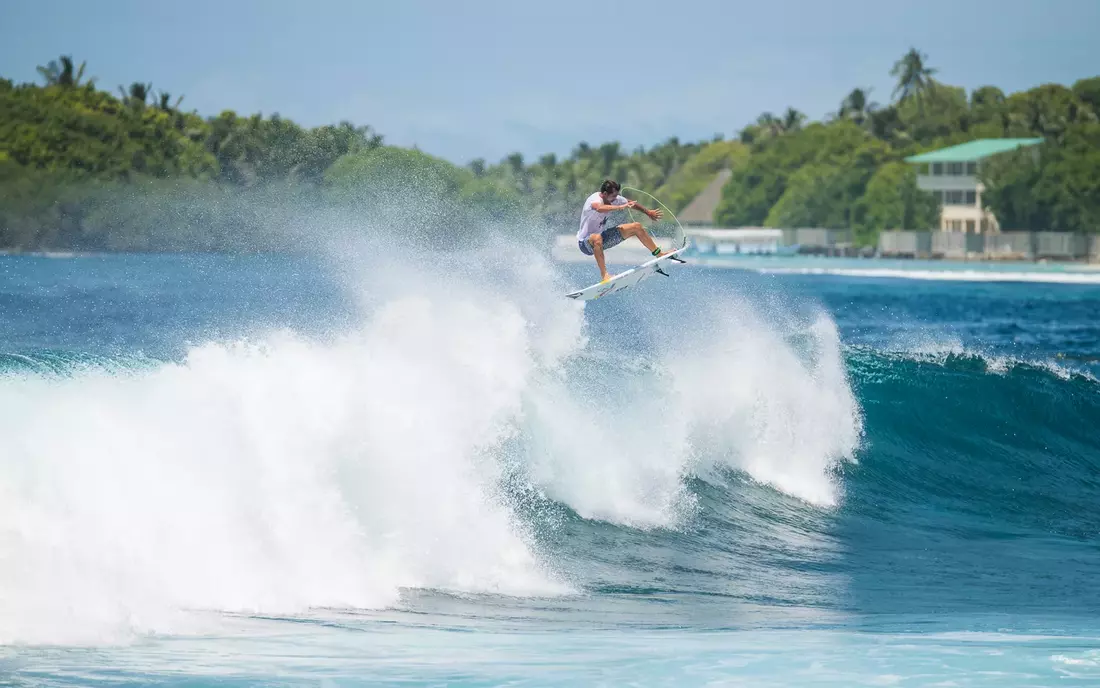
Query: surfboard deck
{"x": 626, "y": 280}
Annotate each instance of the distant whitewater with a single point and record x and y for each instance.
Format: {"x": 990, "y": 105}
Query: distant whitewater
{"x": 937, "y": 270}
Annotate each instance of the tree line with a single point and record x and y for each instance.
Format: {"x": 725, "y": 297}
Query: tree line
{"x": 93, "y": 169}
{"x": 847, "y": 172}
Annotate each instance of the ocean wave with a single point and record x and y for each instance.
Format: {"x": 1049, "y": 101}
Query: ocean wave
{"x": 413, "y": 451}
{"x": 481, "y": 435}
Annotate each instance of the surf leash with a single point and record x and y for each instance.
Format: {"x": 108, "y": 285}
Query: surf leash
{"x": 683, "y": 234}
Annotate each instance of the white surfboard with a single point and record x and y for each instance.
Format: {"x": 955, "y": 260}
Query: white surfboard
{"x": 629, "y": 278}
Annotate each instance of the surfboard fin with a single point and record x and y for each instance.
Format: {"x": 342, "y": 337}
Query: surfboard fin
{"x": 659, "y": 271}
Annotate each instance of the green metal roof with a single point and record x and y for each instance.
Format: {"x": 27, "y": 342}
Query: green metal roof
{"x": 973, "y": 150}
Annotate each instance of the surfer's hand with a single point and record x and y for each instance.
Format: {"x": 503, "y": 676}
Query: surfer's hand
{"x": 655, "y": 214}
{"x": 631, "y": 204}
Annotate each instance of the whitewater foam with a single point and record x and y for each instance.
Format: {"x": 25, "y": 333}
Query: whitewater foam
{"x": 941, "y": 350}
{"x": 271, "y": 476}
{"x": 287, "y": 472}
{"x": 782, "y": 411}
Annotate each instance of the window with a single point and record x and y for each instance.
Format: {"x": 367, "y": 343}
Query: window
{"x": 969, "y": 226}
{"x": 937, "y": 169}
{"x": 972, "y": 168}
{"x": 954, "y": 198}
{"x": 938, "y": 195}
{"x": 955, "y": 169}
{"x": 955, "y": 225}
{"x": 971, "y": 198}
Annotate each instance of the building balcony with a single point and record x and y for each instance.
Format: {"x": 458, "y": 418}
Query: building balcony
{"x": 928, "y": 182}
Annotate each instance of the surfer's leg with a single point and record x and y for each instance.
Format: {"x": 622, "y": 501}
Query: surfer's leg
{"x": 635, "y": 229}
{"x": 596, "y": 242}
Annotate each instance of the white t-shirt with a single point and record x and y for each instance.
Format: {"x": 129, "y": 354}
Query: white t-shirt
{"x": 592, "y": 222}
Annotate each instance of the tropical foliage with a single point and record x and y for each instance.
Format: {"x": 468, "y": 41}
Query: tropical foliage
{"x": 128, "y": 169}
{"x": 847, "y": 172}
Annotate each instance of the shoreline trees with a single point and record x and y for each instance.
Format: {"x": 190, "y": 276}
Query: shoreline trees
{"x": 88, "y": 169}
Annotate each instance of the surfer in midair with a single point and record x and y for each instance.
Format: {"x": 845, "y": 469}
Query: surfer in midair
{"x": 595, "y": 237}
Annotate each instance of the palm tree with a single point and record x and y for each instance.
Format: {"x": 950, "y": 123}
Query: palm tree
{"x": 856, "y": 106}
{"x": 792, "y": 120}
{"x": 138, "y": 94}
{"x": 987, "y": 97}
{"x": 63, "y": 74}
{"x": 666, "y": 157}
{"x": 571, "y": 184}
{"x": 769, "y": 124}
{"x": 886, "y": 125}
{"x": 914, "y": 79}
{"x": 515, "y": 161}
{"x": 609, "y": 155}
{"x": 749, "y": 134}
{"x": 165, "y": 102}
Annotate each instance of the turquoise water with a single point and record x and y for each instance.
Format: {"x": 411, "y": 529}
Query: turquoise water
{"x": 937, "y": 270}
{"x": 304, "y": 471}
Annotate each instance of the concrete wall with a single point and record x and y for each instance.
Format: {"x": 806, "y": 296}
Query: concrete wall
{"x": 957, "y": 245}
{"x": 1000, "y": 246}
{"x": 1061, "y": 245}
{"x": 905, "y": 244}
{"x": 1010, "y": 246}
{"x": 810, "y": 240}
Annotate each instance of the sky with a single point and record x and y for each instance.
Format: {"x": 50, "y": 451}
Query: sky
{"x": 483, "y": 79}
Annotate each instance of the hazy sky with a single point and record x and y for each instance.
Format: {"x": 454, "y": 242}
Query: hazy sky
{"x": 466, "y": 79}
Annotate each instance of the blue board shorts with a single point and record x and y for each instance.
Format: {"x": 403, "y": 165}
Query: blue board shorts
{"x": 611, "y": 238}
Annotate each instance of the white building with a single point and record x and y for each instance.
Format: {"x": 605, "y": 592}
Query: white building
{"x": 951, "y": 174}
{"x": 744, "y": 241}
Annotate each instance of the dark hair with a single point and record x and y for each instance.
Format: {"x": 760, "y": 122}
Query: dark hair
{"x": 610, "y": 186}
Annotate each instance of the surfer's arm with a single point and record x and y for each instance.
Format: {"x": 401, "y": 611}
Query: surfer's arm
{"x": 607, "y": 208}
{"x": 653, "y": 214}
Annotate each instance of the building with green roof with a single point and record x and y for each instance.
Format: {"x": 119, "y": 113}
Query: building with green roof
{"x": 951, "y": 174}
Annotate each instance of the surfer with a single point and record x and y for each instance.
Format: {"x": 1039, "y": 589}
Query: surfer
{"x": 593, "y": 239}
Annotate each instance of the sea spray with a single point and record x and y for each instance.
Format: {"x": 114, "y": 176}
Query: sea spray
{"x": 289, "y": 471}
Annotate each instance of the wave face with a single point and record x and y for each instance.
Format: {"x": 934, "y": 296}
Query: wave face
{"x": 714, "y": 450}
{"x": 978, "y": 486}
{"x": 286, "y": 471}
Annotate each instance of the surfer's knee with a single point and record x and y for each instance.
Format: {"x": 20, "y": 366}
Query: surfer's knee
{"x": 631, "y": 228}
{"x": 595, "y": 241}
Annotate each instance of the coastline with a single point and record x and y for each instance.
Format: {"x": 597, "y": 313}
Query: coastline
{"x": 1049, "y": 271}
{"x": 564, "y": 250}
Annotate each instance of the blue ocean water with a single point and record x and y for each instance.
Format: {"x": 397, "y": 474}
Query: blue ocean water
{"x": 300, "y": 471}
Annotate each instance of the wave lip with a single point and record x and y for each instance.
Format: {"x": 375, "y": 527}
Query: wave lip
{"x": 782, "y": 412}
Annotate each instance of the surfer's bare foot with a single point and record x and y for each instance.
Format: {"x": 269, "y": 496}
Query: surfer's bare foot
{"x": 606, "y": 278}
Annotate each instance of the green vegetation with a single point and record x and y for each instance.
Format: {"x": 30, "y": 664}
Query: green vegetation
{"x": 847, "y": 172}
{"x": 689, "y": 180}
{"x": 90, "y": 169}
{"x": 424, "y": 195}
{"x": 554, "y": 189}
